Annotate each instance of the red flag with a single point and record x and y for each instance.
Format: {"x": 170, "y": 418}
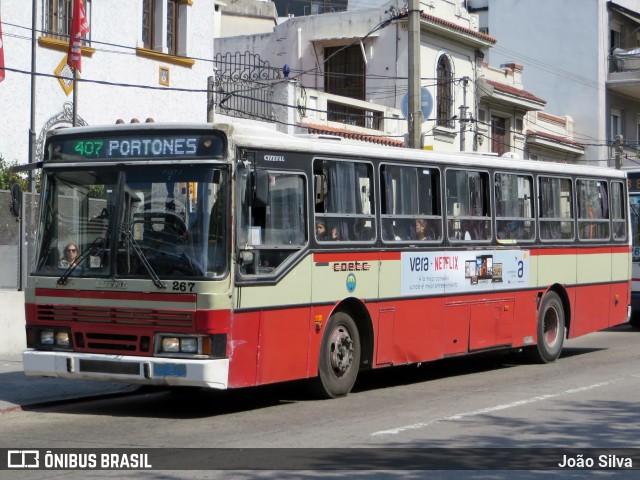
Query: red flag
{"x": 1, "y": 54}
{"x": 79, "y": 27}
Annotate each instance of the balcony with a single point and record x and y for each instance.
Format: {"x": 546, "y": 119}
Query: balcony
{"x": 316, "y": 9}
{"x": 357, "y": 116}
{"x": 624, "y": 72}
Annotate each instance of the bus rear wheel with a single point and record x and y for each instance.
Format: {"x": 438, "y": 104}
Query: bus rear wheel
{"x": 339, "y": 357}
{"x": 551, "y": 325}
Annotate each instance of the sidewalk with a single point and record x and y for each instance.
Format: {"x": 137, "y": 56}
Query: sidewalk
{"x": 18, "y": 391}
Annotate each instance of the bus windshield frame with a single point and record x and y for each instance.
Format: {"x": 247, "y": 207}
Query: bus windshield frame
{"x": 135, "y": 221}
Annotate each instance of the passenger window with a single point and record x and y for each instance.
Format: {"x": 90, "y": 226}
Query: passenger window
{"x": 593, "y": 210}
{"x": 344, "y": 209}
{"x": 411, "y": 209}
{"x": 515, "y": 219}
{"x": 618, "y": 213}
{"x": 556, "y": 208}
{"x": 468, "y": 206}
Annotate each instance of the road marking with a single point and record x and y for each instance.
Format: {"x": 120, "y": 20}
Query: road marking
{"x": 482, "y": 411}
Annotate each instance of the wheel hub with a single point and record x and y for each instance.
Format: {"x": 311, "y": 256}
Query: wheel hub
{"x": 341, "y": 350}
{"x": 551, "y": 326}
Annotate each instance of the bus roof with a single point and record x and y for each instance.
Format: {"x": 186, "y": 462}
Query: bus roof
{"x": 250, "y": 135}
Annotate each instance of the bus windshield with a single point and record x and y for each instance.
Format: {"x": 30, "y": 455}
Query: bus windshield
{"x": 134, "y": 222}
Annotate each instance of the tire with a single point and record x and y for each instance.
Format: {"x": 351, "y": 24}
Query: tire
{"x": 634, "y": 320}
{"x": 551, "y": 325}
{"x": 339, "y": 360}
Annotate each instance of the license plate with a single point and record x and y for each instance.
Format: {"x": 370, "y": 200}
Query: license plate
{"x": 169, "y": 370}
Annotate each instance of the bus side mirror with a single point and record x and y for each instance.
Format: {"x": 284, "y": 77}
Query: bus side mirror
{"x": 16, "y": 200}
{"x": 260, "y": 188}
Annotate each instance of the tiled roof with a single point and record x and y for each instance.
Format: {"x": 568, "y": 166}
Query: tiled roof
{"x": 555, "y": 138}
{"x": 453, "y": 26}
{"x": 515, "y": 91}
{"x": 350, "y": 134}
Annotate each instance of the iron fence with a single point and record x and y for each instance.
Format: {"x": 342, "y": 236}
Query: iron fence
{"x": 243, "y": 85}
{"x": 17, "y": 240}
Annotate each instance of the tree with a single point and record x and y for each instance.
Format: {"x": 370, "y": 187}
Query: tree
{"x": 9, "y": 178}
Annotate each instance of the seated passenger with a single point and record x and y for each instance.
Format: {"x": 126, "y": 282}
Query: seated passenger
{"x": 422, "y": 230}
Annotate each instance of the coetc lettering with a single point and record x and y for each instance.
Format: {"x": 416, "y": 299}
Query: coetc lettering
{"x": 351, "y": 266}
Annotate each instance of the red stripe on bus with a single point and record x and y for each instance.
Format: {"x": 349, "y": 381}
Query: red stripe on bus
{"x": 322, "y": 257}
{"x": 139, "y": 296}
{"x": 579, "y": 250}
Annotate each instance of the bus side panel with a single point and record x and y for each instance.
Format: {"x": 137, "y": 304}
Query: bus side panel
{"x": 558, "y": 266}
{"x": 621, "y": 271}
{"x": 489, "y": 323}
{"x": 243, "y": 349}
{"x": 618, "y": 305}
{"x": 456, "y": 333}
{"x": 283, "y": 345}
{"x": 525, "y": 318}
{"x": 417, "y": 330}
{"x": 592, "y": 296}
{"x": 591, "y": 309}
{"x": 383, "y": 334}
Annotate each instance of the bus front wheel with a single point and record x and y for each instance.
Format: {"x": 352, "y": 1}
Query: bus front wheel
{"x": 551, "y": 324}
{"x": 339, "y": 357}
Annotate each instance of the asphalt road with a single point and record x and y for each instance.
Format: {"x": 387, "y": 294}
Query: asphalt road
{"x": 587, "y": 399}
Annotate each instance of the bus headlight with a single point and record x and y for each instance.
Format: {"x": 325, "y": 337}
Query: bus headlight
{"x": 62, "y": 339}
{"x": 170, "y": 344}
{"x": 189, "y": 345}
{"x": 203, "y": 346}
{"x": 49, "y": 338}
{"x": 46, "y": 337}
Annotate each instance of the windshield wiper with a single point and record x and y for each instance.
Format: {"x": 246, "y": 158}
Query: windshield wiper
{"x": 92, "y": 250}
{"x": 141, "y": 256}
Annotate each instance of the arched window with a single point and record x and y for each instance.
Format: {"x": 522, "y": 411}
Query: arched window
{"x": 445, "y": 92}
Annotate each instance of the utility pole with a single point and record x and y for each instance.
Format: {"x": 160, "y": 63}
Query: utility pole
{"x": 210, "y": 100}
{"x": 414, "y": 103}
{"x": 618, "y": 152}
{"x": 32, "y": 125}
{"x": 463, "y": 112}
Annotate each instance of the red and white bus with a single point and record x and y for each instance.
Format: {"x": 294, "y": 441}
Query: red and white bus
{"x": 230, "y": 256}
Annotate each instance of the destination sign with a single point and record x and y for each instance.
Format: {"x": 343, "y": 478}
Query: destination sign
{"x": 142, "y": 146}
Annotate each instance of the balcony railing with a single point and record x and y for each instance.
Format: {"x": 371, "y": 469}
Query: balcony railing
{"x": 326, "y": 107}
{"x": 349, "y": 115}
{"x": 624, "y": 60}
{"x": 320, "y": 9}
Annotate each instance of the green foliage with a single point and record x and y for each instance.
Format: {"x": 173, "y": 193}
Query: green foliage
{"x": 9, "y": 178}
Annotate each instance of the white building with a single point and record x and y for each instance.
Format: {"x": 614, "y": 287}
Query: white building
{"x": 142, "y": 59}
{"x": 581, "y": 56}
{"x": 351, "y": 69}
{"x": 347, "y": 70}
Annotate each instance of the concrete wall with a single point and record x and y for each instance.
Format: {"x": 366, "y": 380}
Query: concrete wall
{"x": 12, "y": 323}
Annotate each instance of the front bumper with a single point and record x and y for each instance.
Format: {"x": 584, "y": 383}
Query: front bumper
{"x": 128, "y": 369}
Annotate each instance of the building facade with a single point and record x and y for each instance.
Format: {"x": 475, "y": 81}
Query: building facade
{"x": 582, "y": 57}
{"x": 351, "y": 70}
{"x": 144, "y": 59}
